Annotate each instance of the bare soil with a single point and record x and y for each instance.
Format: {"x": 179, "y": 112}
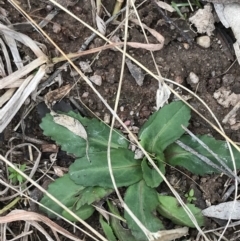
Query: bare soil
{"x": 175, "y": 61}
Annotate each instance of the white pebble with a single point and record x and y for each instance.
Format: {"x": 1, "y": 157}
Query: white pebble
{"x": 138, "y": 154}
{"x": 85, "y": 66}
{"x": 106, "y": 118}
{"x": 85, "y": 95}
{"x": 194, "y": 79}
{"x": 204, "y": 41}
{"x": 186, "y": 45}
{"x": 96, "y": 79}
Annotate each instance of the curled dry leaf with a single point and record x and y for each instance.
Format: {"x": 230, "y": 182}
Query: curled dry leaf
{"x": 53, "y": 96}
{"x": 100, "y": 25}
{"x": 151, "y": 47}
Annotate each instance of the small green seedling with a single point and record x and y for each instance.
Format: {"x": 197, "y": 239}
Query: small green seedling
{"x": 190, "y": 196}
{"x": 15, "y": 176}
{"x": 177, "y": 7}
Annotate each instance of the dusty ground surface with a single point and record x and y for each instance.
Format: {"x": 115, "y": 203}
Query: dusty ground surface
{"x": 175, "y": 61}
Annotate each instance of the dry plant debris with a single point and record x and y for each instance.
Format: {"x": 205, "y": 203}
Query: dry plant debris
{"x": 203, "y": 20}
{"x": 29, "y": 82}
{"x": 33, "y": 219}
{"x": 224, "y": 210}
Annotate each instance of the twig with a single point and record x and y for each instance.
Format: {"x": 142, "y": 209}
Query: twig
{"x": 81, "y": 110}
{"x": 90, "y": 39}
{"x": 228, "y": 193}
{"x": 170, "y": 22}
{"x": 30, "y": 139}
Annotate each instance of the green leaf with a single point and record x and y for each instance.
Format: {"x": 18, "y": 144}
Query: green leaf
{"x": 171, "y": 209}
{"x": 92, "y": 194}
{"x": 13, "y": 175}
{"x": 107, "y": 230}
{"x": 150, "y": 175}
{"x": 164, "y": 127}
{"x": 69, "y": 142}
{"x": 97, "y": 133}
{"x": 83, "y": 212}
{"x": 177, "y": 156}
{"x": 122, "y": 233}
{"x": 191, "y": 193}
{"x": 10, "y": 169}
{"x": 20, "y": 178}
{"x": 143, "y": 201}
{"x": 126, "y": 169}
{"x": 63, "y": 189}
{"x": 22, "y": 167}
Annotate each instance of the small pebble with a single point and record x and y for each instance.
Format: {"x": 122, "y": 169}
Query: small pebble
{"x": 49, "y": 7}
{"x": 122, "y": 108}
{"x": 131, "y": 112}
{"x": 228, "y": 79}
{"x": 186, "y": 46}
{"x": 178, "y": 79}
{"x": 85, "y": 94}
{"x": 135, "y": 129}
{"x": 138, "y": 154}
{"x": 127, "y": 122}
{"x": 96, "y": 79}
{"x": 193, "y": 78}
{"x": 204, "y": 41}
{"x": 132, "y": 147}
{"x": 56, "y": 28}
{"x": 85, "y": 66}
{"x": 106, "y": 118}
